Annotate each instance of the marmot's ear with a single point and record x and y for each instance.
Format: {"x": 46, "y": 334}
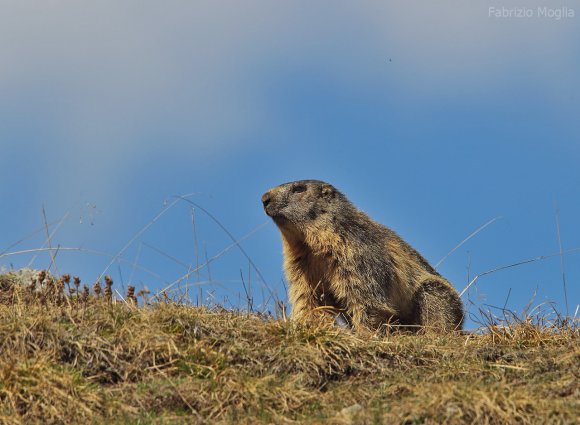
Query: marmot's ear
{"x": 328, "y": 191}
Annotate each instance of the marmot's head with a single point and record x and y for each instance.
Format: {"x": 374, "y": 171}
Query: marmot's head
{"x": 296, "y": 206}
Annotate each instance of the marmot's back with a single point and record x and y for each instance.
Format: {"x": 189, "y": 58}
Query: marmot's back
{"x": 338, "y": 259}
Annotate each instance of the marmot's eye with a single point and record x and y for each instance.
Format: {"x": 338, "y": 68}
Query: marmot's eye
{"x": 298, "y": 189}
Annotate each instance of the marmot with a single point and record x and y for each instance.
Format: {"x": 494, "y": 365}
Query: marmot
{"x": 338, "y": 260}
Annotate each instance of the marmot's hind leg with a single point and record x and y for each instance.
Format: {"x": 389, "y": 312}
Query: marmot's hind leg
{"x": 437, "y": 306}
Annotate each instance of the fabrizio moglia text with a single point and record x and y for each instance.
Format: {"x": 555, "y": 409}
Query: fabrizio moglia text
{"x": 557, "y": 13}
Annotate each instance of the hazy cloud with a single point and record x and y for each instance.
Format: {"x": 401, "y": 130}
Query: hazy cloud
{"x": 114, "y": 81}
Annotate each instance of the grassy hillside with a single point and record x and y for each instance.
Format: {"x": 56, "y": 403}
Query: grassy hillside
{"x": 87, "y": 358}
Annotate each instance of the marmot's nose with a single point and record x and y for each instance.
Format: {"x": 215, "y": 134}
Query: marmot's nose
{"x": 266, "y": 198}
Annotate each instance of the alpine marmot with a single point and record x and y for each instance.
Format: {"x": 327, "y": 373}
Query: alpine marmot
{"x": 339, "y": 261}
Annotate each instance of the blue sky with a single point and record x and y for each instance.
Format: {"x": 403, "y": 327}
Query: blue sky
{"x": 432, "y": 118}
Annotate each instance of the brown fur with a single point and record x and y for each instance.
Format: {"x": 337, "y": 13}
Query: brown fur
{"x": 338, "y": 260}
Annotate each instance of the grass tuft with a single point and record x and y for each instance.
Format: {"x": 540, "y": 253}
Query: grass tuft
{"x": 74, "y": 355}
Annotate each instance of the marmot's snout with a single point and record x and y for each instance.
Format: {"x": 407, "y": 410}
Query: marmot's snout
{"x": 271, "y": 207}
{"x": 266, "y": 198}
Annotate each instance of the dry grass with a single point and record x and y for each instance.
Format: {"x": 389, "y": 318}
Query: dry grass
{"x": 80, "y": 358}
